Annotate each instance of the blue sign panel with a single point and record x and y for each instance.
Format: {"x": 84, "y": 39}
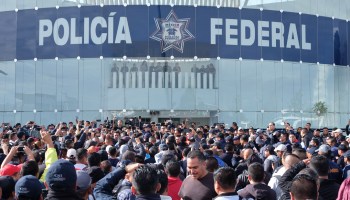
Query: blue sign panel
{"x": 309, "y": 38}
{"x": 325, "y": 40}
{"x": 273, "y": 33}
{"x": 180, "y": 31}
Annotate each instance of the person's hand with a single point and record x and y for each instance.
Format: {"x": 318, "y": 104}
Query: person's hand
{"x": 27, "y": 150}
{"x": 29, "y": 153}
{"x": 13, "y": 150}
{"x": 306, "y": 161}
{"x": 46, "y": 137}
{"x": 132, "y": 167}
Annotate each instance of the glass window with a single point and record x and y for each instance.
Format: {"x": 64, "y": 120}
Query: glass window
{"x": 7, "y": 91}
{"x": 248, "y": 85}
{"x": 25, "y": 85}
{"x": 8, "y": 5}
{"x": 48, "y": 4}
{"x": 26, "y": 4}
{"x": 268, "y": 82}
{"x": 90, "y": 74}
{"x": 229, "y": 84}
{"x": 48, "y": 87}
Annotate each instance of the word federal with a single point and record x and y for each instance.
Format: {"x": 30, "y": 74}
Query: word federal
{"x": 269, "y": 34}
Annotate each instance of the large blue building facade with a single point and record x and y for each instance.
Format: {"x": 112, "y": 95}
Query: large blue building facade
{"x": 204, "y": 60}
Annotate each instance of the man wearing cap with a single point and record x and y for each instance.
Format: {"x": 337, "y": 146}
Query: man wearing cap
{"x": 61, "y": 180}
{"x": 28, "y": 187}
{"x": 71, "y": 155}
{"x": 11, "y": 170}
{"x": 280, "y": 149}
{"x": 340, "y": 159}
{"x": 310, "y": 152}
{"x": 338, "y": 134}
{"x": 334, "y": 170}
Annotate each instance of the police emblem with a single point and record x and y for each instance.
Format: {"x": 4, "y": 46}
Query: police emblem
{"x": 172, "y": 32}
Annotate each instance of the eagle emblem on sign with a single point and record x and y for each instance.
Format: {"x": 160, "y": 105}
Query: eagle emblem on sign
{"x": 172, "y": 32}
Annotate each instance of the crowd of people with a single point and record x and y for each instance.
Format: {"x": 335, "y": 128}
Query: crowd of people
{"x": 114, "y": 160}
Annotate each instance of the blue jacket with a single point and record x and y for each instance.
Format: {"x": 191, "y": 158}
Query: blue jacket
{"x": 334, "y": 173}
{"x": 104, "y": 187}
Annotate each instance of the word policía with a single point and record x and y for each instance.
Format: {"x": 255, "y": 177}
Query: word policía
{"x": 98, "y": 30}
{"x": 269, "y": 34}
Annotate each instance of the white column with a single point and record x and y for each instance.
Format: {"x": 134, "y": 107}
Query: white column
{"x": 133, "y": 79}
{"x": 140, "y": 80}
{"x": 193, "y": 80}
{"x": 173, "y": 82}
{"x": 199, "y": 81}
{"x": 205, "y": 81}
{"x": 121, "y": 80}
{"x": 180, "y": 80}
{"x": 154, "y": 79}
{"x": 127, "y": 80}
{"x": 146, "y": 79}
{"x": 114, "y": 80}
{"x": 210, "y": 81}
{"x": 187, "y": 82}
{"x": 166, "y": 80}
{"x": 160, "y": 80}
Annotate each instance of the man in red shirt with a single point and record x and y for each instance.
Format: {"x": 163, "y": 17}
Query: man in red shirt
{"x": 174, "y": 182}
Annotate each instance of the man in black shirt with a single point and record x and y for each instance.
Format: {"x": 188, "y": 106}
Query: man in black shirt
{"x": 199, "y": 185}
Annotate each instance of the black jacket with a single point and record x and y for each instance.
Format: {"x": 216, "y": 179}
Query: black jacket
{"x": 328, "y": 189}
{"x": 287, "y": 178}
{"x": 257, "y": 191}
{"x": 242, "y": 180}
